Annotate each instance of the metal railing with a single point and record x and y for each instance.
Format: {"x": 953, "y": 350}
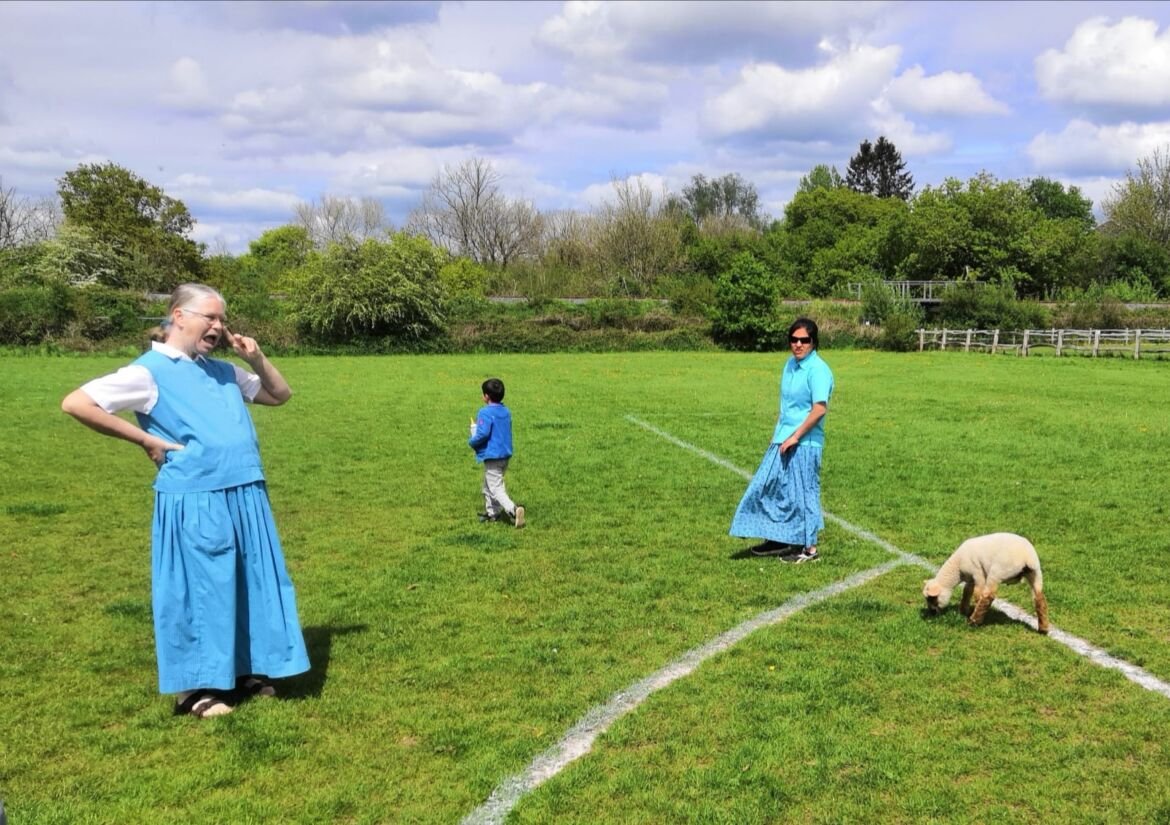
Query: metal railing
{"x": 1133, "y": 343}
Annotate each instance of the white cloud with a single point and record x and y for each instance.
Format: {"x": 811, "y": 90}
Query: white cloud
{"x": 804, "y": 104}
{"x": 599, "y": 194}
{"x": 188, "y": 88}
{"x": 947, "y": 93}
{"x": 693, "y": 33}
{"x": 905, "y": 135}
{"x": 1124, "y": 65}
{"x": 1084, "y": 147}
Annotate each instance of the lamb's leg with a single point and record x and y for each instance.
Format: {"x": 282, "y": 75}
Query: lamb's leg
{"x": 1041, "y": 605}
{"x": 984, "y": 600}
{"x": 965, "y": 604}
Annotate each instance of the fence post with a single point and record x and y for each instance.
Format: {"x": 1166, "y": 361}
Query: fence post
{"x": 1059, "y": 341}
{"x": 1137, "y": 344}
{"x": 1096, "y": 341}
{"x": 921, "y": 339}
{"x": 994, "y": 342}
{"x": 1024, "y": 348}
{"x": 967, "y": 342}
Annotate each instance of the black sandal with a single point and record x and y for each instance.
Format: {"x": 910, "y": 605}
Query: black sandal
{"x": 203, "y": 703}
{"x": 255, "y": 686}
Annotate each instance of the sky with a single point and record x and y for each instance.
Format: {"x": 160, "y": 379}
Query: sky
{"x": 244, "y": 109}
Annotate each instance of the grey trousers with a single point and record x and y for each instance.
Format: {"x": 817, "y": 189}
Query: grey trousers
{"x": 495, "y": 496}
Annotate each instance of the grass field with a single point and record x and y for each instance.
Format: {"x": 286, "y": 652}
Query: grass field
{"x": 448, "y": 654}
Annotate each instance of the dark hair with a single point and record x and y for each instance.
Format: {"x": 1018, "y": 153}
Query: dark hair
{"x": 809, "y": 324}
{"x": 493, "y": 388}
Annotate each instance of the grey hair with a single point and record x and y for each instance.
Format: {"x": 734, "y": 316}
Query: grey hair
{"x": 187, "y": 294}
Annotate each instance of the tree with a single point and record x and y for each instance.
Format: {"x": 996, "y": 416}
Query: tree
{"x": 146, "y": 228}
{"x": 994, "y": 231}
{"x": 333, "y": 219}
{"x": 24, "y": 221}
{"x": 821, "y": 176}
{"x": 832, "y": 236}
{"x": 465, "y": 213}
{"x": 1054, "y": 201}
{"x": 1140, "y": 204}
{"x": 635, "y": 239}
{"x": 729, "y": 199}
{"x": 879, "y": 170}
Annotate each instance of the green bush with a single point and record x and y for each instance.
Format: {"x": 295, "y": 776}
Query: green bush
{"x": 101, "y": 312}
{"x": 745, "y": 307}
{"x": 20, "y": 266}
{"x": 371, "y": 289}
{"x": 463, "y": 278}
{"x": 692, "y": 295}
{"x": 877, "y": 302}
{"x": 899, "y": 329}
{"x": 31, "y": 314}
{"x": 984, "y": 306}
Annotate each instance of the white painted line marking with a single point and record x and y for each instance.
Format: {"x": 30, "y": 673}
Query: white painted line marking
{"x": 579, "y": 739}
{"x": 1079, "y": 646}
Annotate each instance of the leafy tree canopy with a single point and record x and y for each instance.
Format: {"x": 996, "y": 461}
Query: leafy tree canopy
{"x": 1140, "y": 204}
{"x": 727, "y": 198}
{"x": 1054, "y": 201}
{"x": 148, "y": 229}
{"x": 821, "y": 176}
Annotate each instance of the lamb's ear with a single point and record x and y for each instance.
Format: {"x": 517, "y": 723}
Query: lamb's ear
{"x": 931, "y": 588}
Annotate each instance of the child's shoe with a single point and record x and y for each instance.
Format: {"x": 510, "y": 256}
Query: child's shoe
{"x": 518, "y": 516}
{"x": 484, "y": 517}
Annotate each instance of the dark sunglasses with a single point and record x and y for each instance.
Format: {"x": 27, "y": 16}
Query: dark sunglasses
{"x": 799, "y": 339}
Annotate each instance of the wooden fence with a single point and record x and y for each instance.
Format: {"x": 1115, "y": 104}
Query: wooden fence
{"x": 1133, "y": 343}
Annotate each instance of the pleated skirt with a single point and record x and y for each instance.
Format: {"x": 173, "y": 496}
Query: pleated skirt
{"x": 224, "y": 605}
{"x": 783, "y": 500}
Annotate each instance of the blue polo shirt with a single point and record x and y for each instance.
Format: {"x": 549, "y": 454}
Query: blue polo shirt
{"x": 802, "y": 384}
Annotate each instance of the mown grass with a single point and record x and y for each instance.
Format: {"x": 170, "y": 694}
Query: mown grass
{"x": 447, "y": 654}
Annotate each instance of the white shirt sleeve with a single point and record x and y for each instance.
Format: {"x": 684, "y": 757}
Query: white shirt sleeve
{"x": 130, "y": 388}
{"x": 249, "y": 383}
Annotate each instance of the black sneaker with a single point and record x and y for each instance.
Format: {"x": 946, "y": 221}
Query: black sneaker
{"x": 803, "y": 556}
{"x": 484, "y": 517}
{"x": 774, "y": 548}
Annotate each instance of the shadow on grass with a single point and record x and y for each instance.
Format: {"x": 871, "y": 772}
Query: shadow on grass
{"x": 991, "y": 618}
{"x": 319, "y": 641}
{"x": 766, "y": 550}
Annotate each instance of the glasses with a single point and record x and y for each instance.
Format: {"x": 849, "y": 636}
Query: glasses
{"x": 211, "y": 319}
{"x": 799, "y": 339}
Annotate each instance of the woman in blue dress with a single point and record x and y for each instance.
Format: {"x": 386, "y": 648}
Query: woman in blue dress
{"x": 225, "y": 615}
{"x": 782, "y": 504}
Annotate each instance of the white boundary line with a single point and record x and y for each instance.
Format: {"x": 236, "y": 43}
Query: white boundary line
{"x": 1079, "y": 646}
{"x": 578, "y": 740}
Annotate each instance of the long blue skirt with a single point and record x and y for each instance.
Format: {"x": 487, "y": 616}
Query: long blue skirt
{"x": 224, "y": 605}
{"x": 783, "y": 501}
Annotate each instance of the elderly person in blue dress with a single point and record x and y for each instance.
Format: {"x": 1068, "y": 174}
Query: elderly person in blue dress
{"x": 225, "y": 615}
{"x": 782, "y": 504}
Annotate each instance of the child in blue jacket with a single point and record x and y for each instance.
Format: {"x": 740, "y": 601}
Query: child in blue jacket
{"x": 491, "y": 438}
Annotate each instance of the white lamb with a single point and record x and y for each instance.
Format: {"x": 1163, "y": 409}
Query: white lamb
{"x": 982, "y": 564}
